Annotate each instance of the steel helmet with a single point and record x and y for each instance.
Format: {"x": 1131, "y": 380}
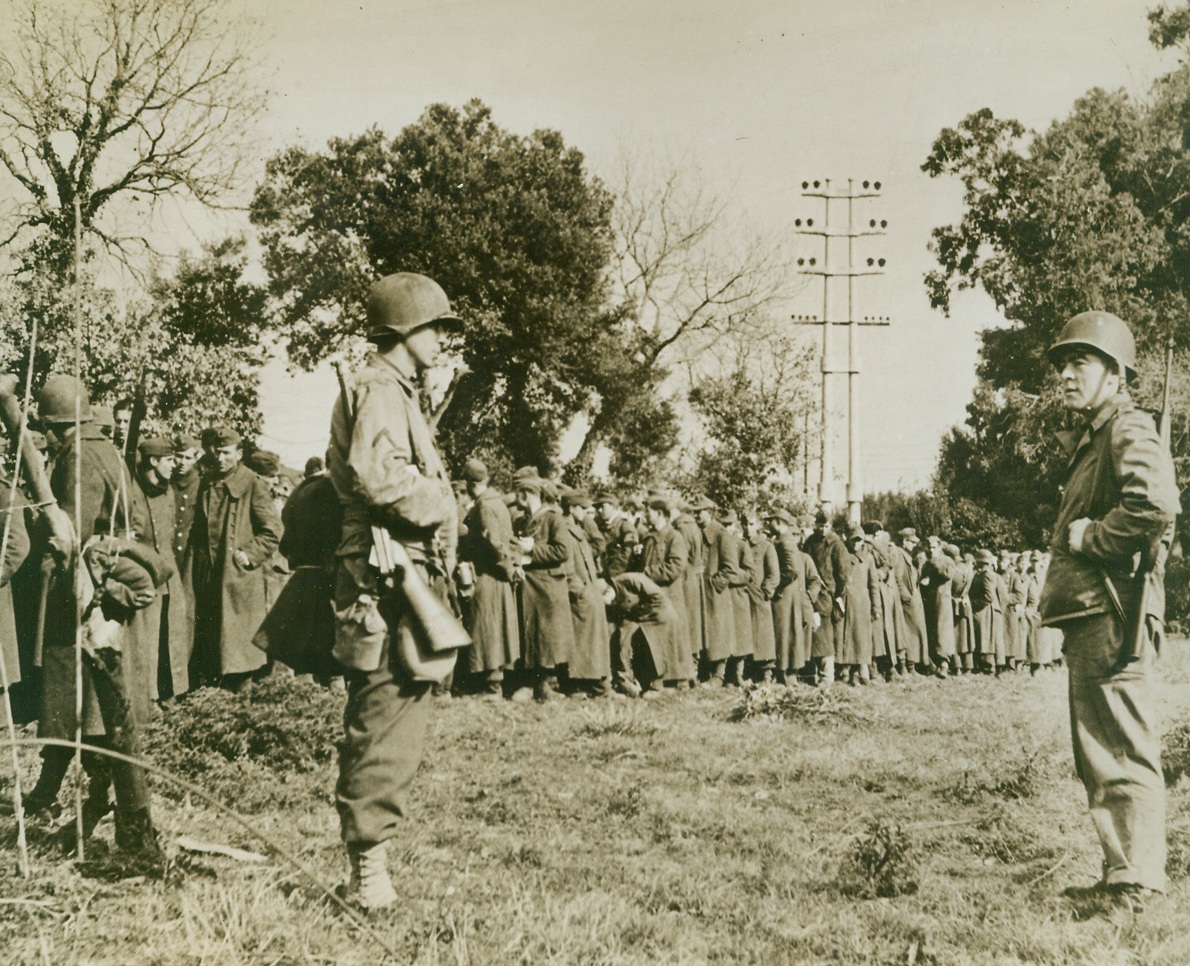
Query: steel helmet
{"x": 1102, "y": 332}
{"x": 406, "y": 301}
{"x": 56, "y": 401}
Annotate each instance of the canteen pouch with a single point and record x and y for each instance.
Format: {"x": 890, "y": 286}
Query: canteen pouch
{"x": 360, "y": 632}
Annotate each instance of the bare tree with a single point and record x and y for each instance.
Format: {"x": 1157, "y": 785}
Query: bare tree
{"x": 689, "y": 272}
{"x": 121, "y": 99}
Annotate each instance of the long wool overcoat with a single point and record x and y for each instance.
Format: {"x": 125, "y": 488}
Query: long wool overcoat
{"x": 234, "y": 511}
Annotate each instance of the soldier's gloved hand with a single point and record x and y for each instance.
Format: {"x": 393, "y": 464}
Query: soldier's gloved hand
{"x": 817, "y": 620}
{"x": 1078, "y": 530}
{"x": 62, "y": 539}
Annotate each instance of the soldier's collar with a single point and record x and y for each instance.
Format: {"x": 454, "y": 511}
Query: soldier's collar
{"x": 1107, "y": 410}
{"x": 405, "y": 378}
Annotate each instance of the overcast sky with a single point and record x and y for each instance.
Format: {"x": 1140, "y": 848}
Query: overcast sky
{"x": 763, "y": 95}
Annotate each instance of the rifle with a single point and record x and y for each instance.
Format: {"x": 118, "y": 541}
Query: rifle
{"x": 437, "y": 628}
{"x": 1152, "y": 555}
{"x": 136, "y": 417}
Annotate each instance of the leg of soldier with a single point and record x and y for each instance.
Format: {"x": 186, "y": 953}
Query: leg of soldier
{"x": 134, "y": 828}
{"x": 55, "y": 762}
{"x": 384, "y": 724}
{"x": 1117, "y": 749}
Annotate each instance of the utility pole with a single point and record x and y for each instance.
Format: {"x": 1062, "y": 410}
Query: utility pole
{"x": 830, "y": 271}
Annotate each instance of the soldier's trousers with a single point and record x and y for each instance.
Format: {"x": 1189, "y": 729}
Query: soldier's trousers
{"x": 1117, "y": 749}
{"x": 384, "y": 726}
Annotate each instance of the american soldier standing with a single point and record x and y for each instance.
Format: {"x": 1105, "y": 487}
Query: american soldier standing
{"x": 1118, "y": 506}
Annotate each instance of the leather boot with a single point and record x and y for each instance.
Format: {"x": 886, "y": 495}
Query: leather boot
{"x": 369, "y": 886}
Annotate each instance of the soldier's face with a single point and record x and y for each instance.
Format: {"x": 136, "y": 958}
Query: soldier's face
{"x": 162, "y": 467}
{"x": 1088, "y": 380}
{"x": 658, "y": 519}
{"x": 424, "y": 345}
{"x": 225, "y": 457}
{"x": 123, "y": 419}
{"x": 184, "y": 460}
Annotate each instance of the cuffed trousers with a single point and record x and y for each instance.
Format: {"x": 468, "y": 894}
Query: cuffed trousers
{"x": 1117, "y": 749}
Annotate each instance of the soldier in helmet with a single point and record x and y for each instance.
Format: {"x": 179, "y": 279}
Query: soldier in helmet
{"x": 1118, "y": 506}
{"x": 91, "y": 485}
{"x": 387, "y": 472}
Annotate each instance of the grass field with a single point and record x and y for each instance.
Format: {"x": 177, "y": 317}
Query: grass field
{"x": 921, "y": 822}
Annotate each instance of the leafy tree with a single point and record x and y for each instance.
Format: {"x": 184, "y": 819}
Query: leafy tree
{"x": 514, "y": 228}
{"x": 1089, "y": 214}
{"x": 752, "y": 415}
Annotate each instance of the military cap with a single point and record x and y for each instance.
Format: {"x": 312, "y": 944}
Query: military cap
{"x": 404, "y": 302}
{"x": 952, "y": 551}
{"x": 658, "y": 502}
{"x": 855, "y": 532}
{"x": 987, "y": 557}
{"x": 908, "y": 533}
{"x": 155, "y": 447}
{"x": 782, "y": 515}
{"x": 263, "y": 462}
{"x": 314, "y": 466}
{"x": 549, "y": 491}
{"x": 871, "y": 526}
{"x": 728, "y": 517}
{"x": 820, "y": 518}
{"x": 701, "y": 503}
{"x": 183, "y": 443}
{"x": 633, "y": 505}
{"x": 475, "y": 471}
{"x": 530, "y": 484}
{"x": 219, "y": 436}
{"x": 579, "y": 498}
{"x": 526, "y": 473}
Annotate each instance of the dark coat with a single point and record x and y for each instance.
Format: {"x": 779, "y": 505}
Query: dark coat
{"x": 1015, "y": 644}
{"x": 692, "y": 582}
{"x": 832, "y": 561}
{"x": 936, "y": 578}
{"x": 741, "y": 602}
{"x": 886, "y": 622}
{"x": 233, "y": 512}
{"x": 166, "y": 625}
{"x": 987, "y": 614}
{"x": 861, "y": 598}
{"x": 964, "y": 627}
{"x": 105, "y": 507}
{"x": 544, "y": 593}
{"x": 664, "y": 557}
{"x": 721, "y": 569}
{"x": 1121, "y": 477}
{"x": 487, "y": 546}
{"x": 763, "y": 577}
{"x": 799, "y": 595}
{"x": 16, "y": 549}
{"x": 643, "y": 610}
{"x": 591, "y": 657}
{"x": 914, "y": 643}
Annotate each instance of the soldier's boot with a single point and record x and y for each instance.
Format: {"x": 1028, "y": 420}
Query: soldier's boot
{"x": 370, "y": 886}
{"x": 136, "y": 838}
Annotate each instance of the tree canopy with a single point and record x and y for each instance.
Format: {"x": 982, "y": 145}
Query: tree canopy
{"x": 1092, "y": 213}
{"x": 513, "y": 227}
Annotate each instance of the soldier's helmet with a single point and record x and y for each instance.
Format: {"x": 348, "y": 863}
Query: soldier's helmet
{"x": 56, "y": 401}
{"x": 1101, "y": 332}
{"x": 401, "y": 303}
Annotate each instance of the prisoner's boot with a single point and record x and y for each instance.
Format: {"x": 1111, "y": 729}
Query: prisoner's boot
{"x": 369, "y": 886}
{"x": 137, "y": 840}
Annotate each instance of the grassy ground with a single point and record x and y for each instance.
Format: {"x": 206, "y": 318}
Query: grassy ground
{"x": 642, "y": 832}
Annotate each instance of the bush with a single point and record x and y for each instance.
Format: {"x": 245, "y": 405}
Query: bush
{"x": 880, "y": 864}
{"x": 253, "y": 749}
